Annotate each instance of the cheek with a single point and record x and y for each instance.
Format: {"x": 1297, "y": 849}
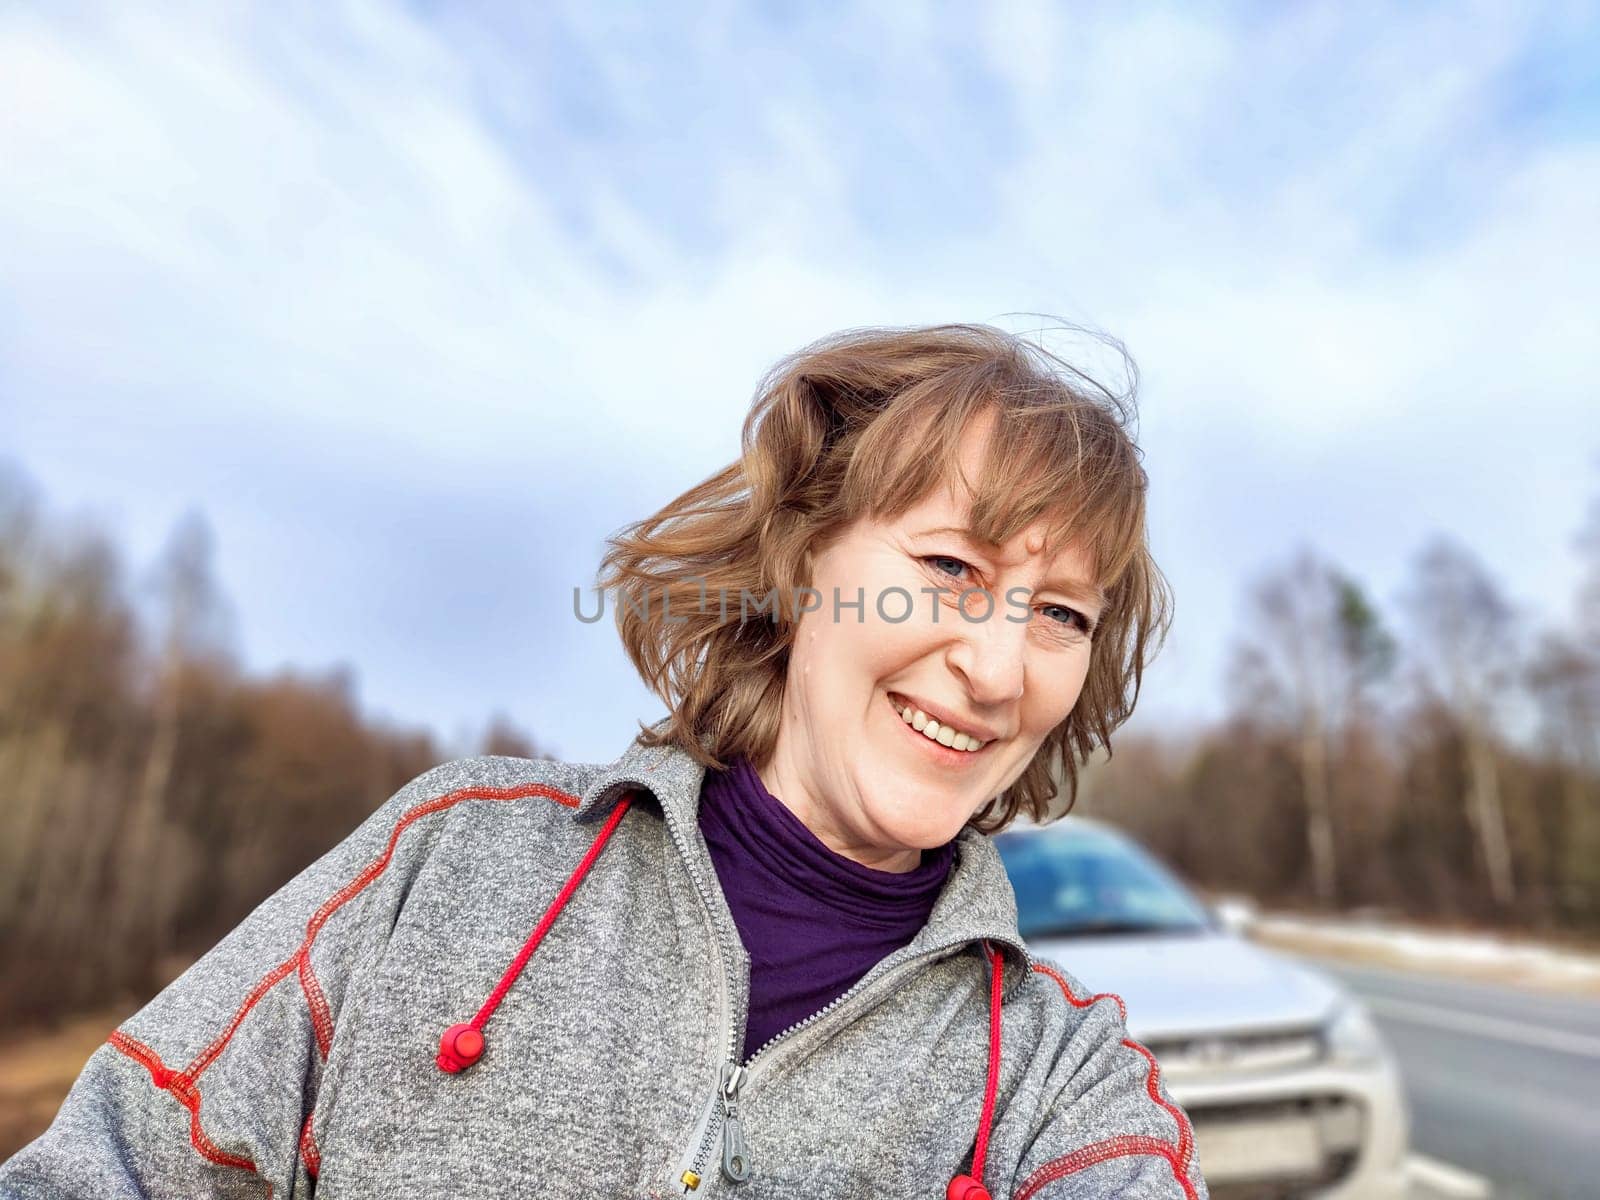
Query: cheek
{"x": 1061, "y": 683}
{"x": 863, "y": 641}
{"x": 1074, "y": 679}
{"x": 836, "y": 665}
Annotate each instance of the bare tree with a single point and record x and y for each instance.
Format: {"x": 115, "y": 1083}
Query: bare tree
{"x": 1588, "y": 603}
{"x": 192, "y": 621}
{"x": 1313, "y": 643}
{"x": 1564, "y": 679}
{"x": 152, "y": 795}
{"x": 1465, "y": 641}
{"x": 188, "y": 616}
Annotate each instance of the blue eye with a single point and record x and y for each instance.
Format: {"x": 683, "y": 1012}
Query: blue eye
{"x": 1063, "y": 615}
{"x": 938, "y": 561}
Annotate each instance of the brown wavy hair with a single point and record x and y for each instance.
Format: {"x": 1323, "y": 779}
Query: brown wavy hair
{"x": 865, "y": 423}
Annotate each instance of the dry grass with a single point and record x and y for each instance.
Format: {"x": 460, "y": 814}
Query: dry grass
{"x": 37, "y": 1068}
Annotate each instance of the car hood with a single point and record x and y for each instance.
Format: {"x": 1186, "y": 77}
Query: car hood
{"x": 1195, "y": 983}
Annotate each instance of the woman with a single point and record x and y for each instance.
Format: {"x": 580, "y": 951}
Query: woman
{"x": 772, "y": 952}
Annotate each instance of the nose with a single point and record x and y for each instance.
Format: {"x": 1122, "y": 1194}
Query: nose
{"x": 989, "y": 654}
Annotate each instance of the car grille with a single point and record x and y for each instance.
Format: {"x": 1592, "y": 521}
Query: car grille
{"x": 1251, "y": 1139}
{"x": 1237, "y": 1052}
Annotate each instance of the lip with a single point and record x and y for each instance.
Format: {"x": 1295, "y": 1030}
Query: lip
{"x": 982, "y": 732}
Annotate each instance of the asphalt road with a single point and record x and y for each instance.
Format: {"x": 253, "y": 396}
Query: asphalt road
{"x": 1501, "y": 1082}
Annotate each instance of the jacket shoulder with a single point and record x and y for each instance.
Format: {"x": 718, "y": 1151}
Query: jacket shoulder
{"x": 468, "y": 800}
{"x": 1060, "y": 989}
{"x": 500, "y": 777}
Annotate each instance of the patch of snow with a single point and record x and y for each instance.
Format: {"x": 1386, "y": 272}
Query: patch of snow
{"x": 1433, "y": 949}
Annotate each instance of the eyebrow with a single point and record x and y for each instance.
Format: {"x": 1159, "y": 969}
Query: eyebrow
{"x": 1077, "y": 589}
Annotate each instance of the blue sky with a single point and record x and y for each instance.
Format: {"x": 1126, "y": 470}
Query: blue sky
{"x": 419, "y": 303}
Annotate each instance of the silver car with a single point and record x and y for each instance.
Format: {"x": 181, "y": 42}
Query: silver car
{"x": 1290, "y": 1087}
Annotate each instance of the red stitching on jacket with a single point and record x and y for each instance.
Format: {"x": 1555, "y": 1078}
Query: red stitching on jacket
{"x": 1152, "y": 1086}
{"x": 317, "y": 1004}
{"x": 1078, "y": 1001}
{"x": 342, "y": 897}
{"x": 310, "y": 1153}
{"x": 185, "y": 1092}
{"x": 1098, "y": 1152}
{"x": 1185, "y": 1145}
{"x": 1178, "y": 1156}
{"x": 270, "y": 980}
{"x": 184, "y": 1084}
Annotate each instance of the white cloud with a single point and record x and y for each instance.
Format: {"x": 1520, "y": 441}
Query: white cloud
{"x": 383, "y": 294}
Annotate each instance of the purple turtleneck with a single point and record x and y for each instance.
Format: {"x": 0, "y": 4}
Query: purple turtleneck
{"x": 812, "y": 921}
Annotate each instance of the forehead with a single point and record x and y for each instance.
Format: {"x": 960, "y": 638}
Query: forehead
{"x": 981, "y": 497}
{"x": 1010, "y": 472}
{"x": 1055, "y": 561}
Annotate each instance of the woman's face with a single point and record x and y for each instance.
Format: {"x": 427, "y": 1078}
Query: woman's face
{"x": 871, "y": 786}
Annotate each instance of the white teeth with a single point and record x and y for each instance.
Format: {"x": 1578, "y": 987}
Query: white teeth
{"x": 933, "y": 731}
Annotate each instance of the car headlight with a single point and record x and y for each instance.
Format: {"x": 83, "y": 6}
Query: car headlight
{"x": 1351, "y": 1037}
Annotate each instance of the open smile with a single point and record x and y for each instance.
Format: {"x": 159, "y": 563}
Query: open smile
{"x": 947, "y": 744}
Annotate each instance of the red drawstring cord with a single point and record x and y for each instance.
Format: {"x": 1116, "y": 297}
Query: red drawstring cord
{"x": 969, "y": 1186}
{"x": 462, "y": 1045}
{"x": 992, "y": 1086}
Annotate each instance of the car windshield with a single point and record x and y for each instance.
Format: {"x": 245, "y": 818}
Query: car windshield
{"x": 1074, "y": 882}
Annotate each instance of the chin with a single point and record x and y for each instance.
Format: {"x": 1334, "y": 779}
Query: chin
{"x": 919, "y": 829}
{"x": 907, "y": 808}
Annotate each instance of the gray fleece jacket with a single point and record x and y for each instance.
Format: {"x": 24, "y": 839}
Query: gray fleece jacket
{"x": 300, "y": 1056}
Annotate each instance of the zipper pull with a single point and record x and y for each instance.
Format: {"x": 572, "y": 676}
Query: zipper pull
{"x": 735, "y": 1158}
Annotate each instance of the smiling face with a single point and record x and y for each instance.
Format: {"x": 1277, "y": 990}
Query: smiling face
{"x": 846, "y": 761}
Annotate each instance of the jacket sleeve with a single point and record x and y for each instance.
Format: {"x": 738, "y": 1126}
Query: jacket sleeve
{"x": 1105, "y": 1124}
{"x": 208, "y": 1090}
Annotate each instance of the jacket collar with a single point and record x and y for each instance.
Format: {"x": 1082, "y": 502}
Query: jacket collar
{"x": 977, "y": 902}
{"x": 669, "y": 773}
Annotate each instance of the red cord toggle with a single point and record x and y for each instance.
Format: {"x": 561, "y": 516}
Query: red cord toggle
{"x": 462, "y": 1045}
{"x": 965, "y": 1187}
{"x": 459, "y": 1048}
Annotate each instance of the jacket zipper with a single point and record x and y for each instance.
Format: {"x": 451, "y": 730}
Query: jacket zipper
{"x": 721, "y": 1113}
{"x": 879, "y": 974}
{"x": 735, "y": 1157}
{"x": 690, "y": 1171}
{"x": 735, "y": 1075}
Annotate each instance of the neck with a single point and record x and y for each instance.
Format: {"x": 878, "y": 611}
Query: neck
{"x": 788, "y": 786}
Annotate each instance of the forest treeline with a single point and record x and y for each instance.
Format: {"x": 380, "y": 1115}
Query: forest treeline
{"x": 152, "y": 792}
{"x": 1439, "y": 760}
